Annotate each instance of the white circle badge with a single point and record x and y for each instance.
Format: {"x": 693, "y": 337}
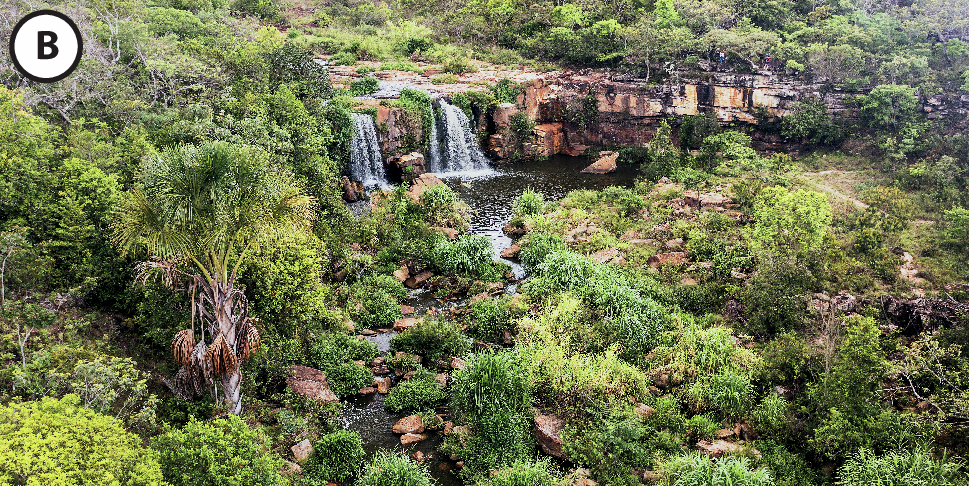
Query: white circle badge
{"x": 45, "y": 46}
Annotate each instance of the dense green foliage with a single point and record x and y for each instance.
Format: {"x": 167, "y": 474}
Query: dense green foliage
{"x": 806, "y": 304}
{"x": 62, "y": 442}
{"x": 337, "y": 457}
{"x": 394, "y": 469}
{"x": 218, "y": 452}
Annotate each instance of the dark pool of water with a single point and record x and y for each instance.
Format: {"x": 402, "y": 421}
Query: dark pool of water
{"x": 491, "y": 196}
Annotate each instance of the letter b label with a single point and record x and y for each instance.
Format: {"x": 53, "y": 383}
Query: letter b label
{"x": 46, "y": 41}
{"x": 46, "y": 46}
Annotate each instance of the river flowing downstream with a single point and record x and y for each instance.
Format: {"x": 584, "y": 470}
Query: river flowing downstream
{"x": 490, "y": 195}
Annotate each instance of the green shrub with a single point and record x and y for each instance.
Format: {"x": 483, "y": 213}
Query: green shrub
{"x": 400, "y": 66}
{"x": 528, "y": 203}
{"x": 60, "y": 442}
{"x": 416, "y": 394}
{"x": 788, "y": 468}
{"x": 770, "y": 415}
{"x": 264, "y": 9}
{"x": 442, "y": 207}
{"x": 900, "y": 468}
{"x": 364, "y": 86}
{"x": 540, "y": 473}
{"x": 729, "y": 392}
{"x": 223, "y": 451}
{"x": 379, "y": 301}
{"x": 394, "y": 469}
{"x": 343, "y": 59}
{"x": 701, "y": 427}
{"x": 334, "y": 349}
{"x": 490, "y": 318}
{"x": 469, "y": 255}
{"x": 957, "y": 229}
{"x": 446, "y": 78}
{"x": 611, "y": 448}
{"x": 491, "y": 394}
{"x": 458, "y": 65}
{"x": 337, "y": 456}
{"x": 522, "y": 126}
{"x": 432, "y": 338}
{"x": 348, "y": 379}
{"x": 699, "y": 470}
{"x": 364, "y": 69}
{"x": 536, "y": 247}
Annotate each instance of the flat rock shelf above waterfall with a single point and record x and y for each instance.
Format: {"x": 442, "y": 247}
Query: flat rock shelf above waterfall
{"x": 366, "y": 163}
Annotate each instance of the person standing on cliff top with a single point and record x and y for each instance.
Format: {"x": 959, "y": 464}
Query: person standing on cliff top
{"x": 767, "y": 63}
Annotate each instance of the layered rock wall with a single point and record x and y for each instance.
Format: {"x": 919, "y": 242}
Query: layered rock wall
{"x": 573, "y": 112}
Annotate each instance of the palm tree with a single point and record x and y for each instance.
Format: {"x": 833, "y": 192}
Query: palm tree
{"x": 199, "y": 212}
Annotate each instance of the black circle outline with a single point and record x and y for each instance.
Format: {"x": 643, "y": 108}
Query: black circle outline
{"x": 77, "y": 34}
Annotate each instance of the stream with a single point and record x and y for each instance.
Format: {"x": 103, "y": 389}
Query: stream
{"x": 490, "y": 196}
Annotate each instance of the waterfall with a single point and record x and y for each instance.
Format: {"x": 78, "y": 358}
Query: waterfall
{"x": 461, "y": 154}
{"x": 366, "y": 164}
{"x": 434, "y": 149}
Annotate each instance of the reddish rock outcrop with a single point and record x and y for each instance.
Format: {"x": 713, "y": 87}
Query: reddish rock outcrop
{"x": 302, "y": 451}
{"x": 310, "y": 383}
{"x": 405, "y": 323}
{"x": 511, "y": 252}
{"x": 408, "y": 439}
{"x": 352, "y": 191}
{"x": 604, "y": 165}
{"x": 411, "y": 424}
{"x": 674, "y": 258}
{"x": 547, "y": 428}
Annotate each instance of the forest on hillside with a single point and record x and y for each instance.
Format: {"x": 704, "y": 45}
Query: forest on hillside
{"x": 186, "y": 297}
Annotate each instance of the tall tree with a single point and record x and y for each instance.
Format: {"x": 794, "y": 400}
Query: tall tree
{"x": 199, "y": 211}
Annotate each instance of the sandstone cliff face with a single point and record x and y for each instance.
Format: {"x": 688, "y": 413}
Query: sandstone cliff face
{"x": 573, "y": 112}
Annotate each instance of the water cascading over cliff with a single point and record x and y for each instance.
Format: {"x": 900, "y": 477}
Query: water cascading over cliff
{"x": 454, "y": 147}
{"x": 366, "y": 164}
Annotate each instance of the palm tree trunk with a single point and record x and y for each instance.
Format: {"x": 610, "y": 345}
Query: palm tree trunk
{"x": 232, "y": 389}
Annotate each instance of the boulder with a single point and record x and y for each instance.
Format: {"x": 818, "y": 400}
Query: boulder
{"x": 406, "y": 309}
{"x": 673, "y": 258}
{"x": 451, "y": 233}
{"x": 411, "y": 424}
{"x": 457, "y": 364}
{"x": 480, "y": 297}
{"x": 290, "y": 468}
{"x": 644, "y": 411}
{"x": 368, "y": 390}
{"x": 408, "y": 439}
{"x": 383, "y": 385}
{"x": 310, "y": 383}
{"x": 723, "y": 433}
{"x": 418, "y": 456}
{"x": 402, "y": 275}
{"x": 405, "y": 323}
{"x": 718, "y": 447}
{"x": 441, "y": 378}
{"x": 411, "y": 164}
{"x": 511, "y": 252}
{"x": 423, "y": 183}
{"x": 547, "y": 428}
{"x": 303, "y": 450}
{"x": 352, "y": 191}
{"x": 674, "y": 244}
{"x": 419, "y": 279}
{"x": 513, "y": 231}
{"x": 604, "y": 165}
{"x": 603, "y": 256}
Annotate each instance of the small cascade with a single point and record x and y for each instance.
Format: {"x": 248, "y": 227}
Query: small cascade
{"x": 434, "y": 149}
{"x": 366, "y": 164}
{"x": 461, "y": 154}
